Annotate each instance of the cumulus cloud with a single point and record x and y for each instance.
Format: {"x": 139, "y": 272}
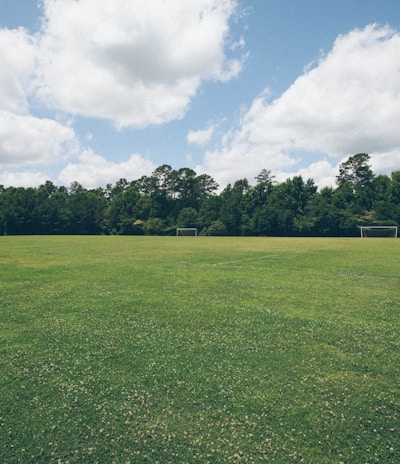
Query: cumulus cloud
{"x": 322, "y": 172}
{"x": 92, "y": 170}
{"x": 17, "y": 58}
{"x": 200, "y": 137}
{"x": 137, "y": 63}
{"x": 133, "y": 62}
{"x": 386, "y": 162}
{"x": 348, "y": 103}
{"x": 23, "y": 178}
{"x": 25, "y": 139}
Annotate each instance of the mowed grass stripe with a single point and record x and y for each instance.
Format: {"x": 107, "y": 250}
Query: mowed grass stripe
{"x": 166, "y": 349}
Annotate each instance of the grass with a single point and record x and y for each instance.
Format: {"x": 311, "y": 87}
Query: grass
{"x": 182, "y": 350}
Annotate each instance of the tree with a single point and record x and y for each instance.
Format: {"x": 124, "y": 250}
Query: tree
{"x": 154, "y": 226}
{"x": 19, "y": 211}
{"x": 394, "y": 191}
{"x": 205, "y": 186}
{"x": 390, "y": 209}
{"x": 262, "y": 190}
{"x": 356, "y": 174}
{"x": 145, "y": 185}
{"x": 52, "y": 214}
{"x": 119, "y": 187}
{"x": 283, "y": 213}
{"x": 216, "y": 228}
{"x": 187, "y": 217}
{"x": 232, "y": 206}
{"x": 168, "y": 198}
{"x": 46, "y": 190}
{"x": 321, "y": 217}
{"x": 355, "y": 171}
{"x": 87, "y": 212}
{"x": 121, "y": 211}
{"x": 165, "y": 180}
{"x": 264, "y": 179}
{"x": 76, "y": 187}
{"x": 209, "y": 211}
{"x": 186, "y": 188}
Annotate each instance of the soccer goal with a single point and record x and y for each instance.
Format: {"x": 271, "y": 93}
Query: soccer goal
{"x": 186, "y": 232}
{"x": 378, "y": 231}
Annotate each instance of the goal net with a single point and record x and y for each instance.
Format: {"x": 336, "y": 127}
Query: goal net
{"x": 378, "y": 231}
{"x": 186, "y": 232}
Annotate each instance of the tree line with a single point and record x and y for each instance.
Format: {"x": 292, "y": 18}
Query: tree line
{"x": 169, "y": 198}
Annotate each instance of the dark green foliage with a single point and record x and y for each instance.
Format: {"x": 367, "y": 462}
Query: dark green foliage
{"x": 355, "y": 171}
{"x": 169, "y": 198}
{"x": 187, "y": 217}
{"x": 357, "y": 175}
{"x": 216, "y": 228}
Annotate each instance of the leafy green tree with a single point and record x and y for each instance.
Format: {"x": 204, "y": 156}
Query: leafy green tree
{"x": 321, "y": 217}
{"x": 380, "y": 188}
{"x": 388, "y": 209}
{"x": 154, "y": 226}
{"x": 76, "y": 187}
{"x": 265, "y": 182}
{"x": 87, "y": 212}
{"x": 355, "y": 171}
{"x": 356, "y": 174}
{"x": 186, "y": 188}
{"x": 3, "y": 206}
{"x": 286, "y": 205}
{"x": 121, "y": 212}
{"x": 232, "y": 206}
{"x": 154, "y": 200}
{"x": 205, "y": 186}
{"x": 209, "y": 211}
{"x": 216, "y": 228}
{"x": 46, "y": 190}
{"x": 394, "y": 191}
{"x": 161, "y": 197}
{"x": 187, "y": 217}
{"x": 19, "y": 211}
{"x": 52, "y": 214}
{"x": 343, "y": 197}
{"x": 382, "y": 210}
{"x": 156, "y": 204}
{"x": 113, "y": 191}
{"x": 165, "y": 179}
{"x": 385, "y": 213}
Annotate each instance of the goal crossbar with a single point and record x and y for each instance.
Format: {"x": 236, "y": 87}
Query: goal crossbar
{"x": 186, "y": 231}
{"x": 379, "y": 231}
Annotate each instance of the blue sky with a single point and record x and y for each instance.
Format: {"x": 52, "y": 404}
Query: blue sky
{"x": 96, "y": 90}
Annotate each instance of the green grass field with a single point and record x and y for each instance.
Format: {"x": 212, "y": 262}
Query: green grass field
{"x": 183, "y": 350}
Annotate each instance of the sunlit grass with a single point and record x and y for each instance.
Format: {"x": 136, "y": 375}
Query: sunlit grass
{"x": 135, "y": 349}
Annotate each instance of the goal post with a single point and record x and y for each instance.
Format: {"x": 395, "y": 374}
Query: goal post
{"x": 186, "y": 231}
{"x": 378, "y": 231}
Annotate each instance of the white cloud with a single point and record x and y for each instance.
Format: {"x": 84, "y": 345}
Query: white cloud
{"x": 133, "y": 62}
{"x": 238, "y": 44}
{"x": 349, "y": 103}
{"x": 322, "y": 172}
{"x": 17, "y": 53}
{"x": 387, "y": 162}
{"x": 25, "y": 139}
{"x": 23, "y": 178}
{"x": 138, "y": 63}
{"x": 200, "y": 137}
{"x": 93, "y": 171}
